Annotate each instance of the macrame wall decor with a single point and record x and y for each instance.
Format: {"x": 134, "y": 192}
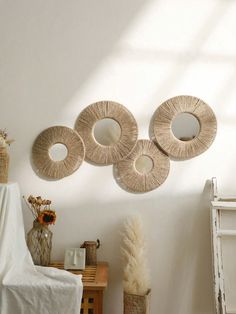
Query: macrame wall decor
{"x": 45, "y": 165}
{"x": 139, "y": 165}
{"x": 145, "y": 169}
{"x": 165, "y": 115}
{"x": 115, "y": 151}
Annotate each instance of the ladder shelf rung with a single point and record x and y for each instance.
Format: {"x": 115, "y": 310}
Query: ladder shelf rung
{"x": 230, "y": 233}
{"x": 224, "y": 205}
{"x": 226, "y": 198}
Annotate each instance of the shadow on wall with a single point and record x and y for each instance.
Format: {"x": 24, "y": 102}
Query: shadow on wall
{"x": 50, "y": 48}
{"x": 48, "y": 51}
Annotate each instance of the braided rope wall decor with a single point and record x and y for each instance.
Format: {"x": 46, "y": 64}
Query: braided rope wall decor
{"x": 129, "y": 177}
{"x": 49, "y": 137}
{"x": 102, "y": 154}
{"x": 163, "y": 135}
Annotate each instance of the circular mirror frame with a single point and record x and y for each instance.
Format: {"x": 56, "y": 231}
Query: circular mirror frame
{"x": 185, "y": 126}
{"x": 143, "y": 158}
{"x": 131, "y": 179}
{"x": 101, "y": 154}
{"x": 113, "y": 132}
{"x": 45, "y": 165}
{"x": 163, "y": 135}
{"x": 55, "y": 153}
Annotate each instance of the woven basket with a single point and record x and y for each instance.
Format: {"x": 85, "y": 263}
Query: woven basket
{"x": 4, "y": 165}
{"x": 137, "y": 304}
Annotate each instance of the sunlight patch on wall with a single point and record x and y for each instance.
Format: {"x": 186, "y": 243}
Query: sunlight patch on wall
{"x": 164, "y": 20}
{"x": 221, "y": 41}
{"x": 204, "y": 79}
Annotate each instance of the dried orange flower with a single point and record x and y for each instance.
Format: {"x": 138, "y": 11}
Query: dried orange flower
{"x": 47, "y": 217}
{"x": 41, "y": 210}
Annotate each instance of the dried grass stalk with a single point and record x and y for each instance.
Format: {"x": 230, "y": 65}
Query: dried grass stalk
{"x": 100, "y": 154}
{"x": 133, "y": 251}
{"x": 134, "y": 181}
{"x": 49, "y": 137}
{"x": 162, "y": 132}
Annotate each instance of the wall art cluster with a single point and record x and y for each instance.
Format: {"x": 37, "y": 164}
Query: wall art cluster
{"x": 106, "y": 133}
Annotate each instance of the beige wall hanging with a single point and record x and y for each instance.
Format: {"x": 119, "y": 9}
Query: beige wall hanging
{"x": 144, "y": 169}
{"x": 184, "y": 147}
{"x": 120, "y": 136}
{"x": 57, "y": 152}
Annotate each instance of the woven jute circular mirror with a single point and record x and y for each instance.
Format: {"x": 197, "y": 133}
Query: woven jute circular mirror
{"x": 43, "y": 154}
{"x": 204, "y": 128}
{"x": 145, "y": 169}
{"x": 114, "y": 140}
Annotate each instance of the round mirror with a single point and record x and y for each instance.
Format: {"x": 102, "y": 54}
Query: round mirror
{"x": 144, "y": 164}
{"x": 58, "y": 152}
{"x": 107, "y": 132}
{"x": 185, "y": 126}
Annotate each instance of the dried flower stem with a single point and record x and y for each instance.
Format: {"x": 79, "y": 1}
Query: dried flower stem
{"x": 32, "y": 211}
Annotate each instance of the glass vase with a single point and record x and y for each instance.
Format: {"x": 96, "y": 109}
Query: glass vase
{"x": 39, "y": 241}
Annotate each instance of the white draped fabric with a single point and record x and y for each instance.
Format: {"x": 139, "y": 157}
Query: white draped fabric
{"x": 24, "y": 287}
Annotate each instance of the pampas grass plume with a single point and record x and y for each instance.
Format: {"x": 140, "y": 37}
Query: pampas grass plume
{"x": 133, "y": 252}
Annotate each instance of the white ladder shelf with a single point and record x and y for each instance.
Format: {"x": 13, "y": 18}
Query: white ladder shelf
{"x": 218, "y": 206}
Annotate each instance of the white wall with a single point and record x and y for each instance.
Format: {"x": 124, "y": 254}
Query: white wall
{"x": 57, "y": 57}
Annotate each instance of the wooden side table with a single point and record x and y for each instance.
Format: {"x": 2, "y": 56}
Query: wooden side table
{"x": 94, "y": 280}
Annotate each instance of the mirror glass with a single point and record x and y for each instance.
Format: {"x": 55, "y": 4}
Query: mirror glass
{"x": 58, "y": 152}
{"x": 107, "y": 132}
{"x": 144, "y": 164}
{"x": 185, "y": 126}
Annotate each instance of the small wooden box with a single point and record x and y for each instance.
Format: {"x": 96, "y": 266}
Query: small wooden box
{"x": 94, "y": 280}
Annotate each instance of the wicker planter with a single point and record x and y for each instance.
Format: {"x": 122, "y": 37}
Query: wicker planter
{"x": 4, "y": 165}
{"x": 137, "y": 304}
